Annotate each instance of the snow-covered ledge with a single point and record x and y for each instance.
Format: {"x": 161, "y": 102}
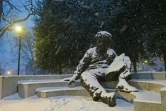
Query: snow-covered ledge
{"x": 0, "y": 87}
{"x": 8, "y": 84}
{"x": 152, "y": 75}
{"x": 163, "y": 98}
{"x": 158, "y": 86}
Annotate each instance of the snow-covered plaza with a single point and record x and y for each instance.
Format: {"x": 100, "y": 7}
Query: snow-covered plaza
{"x": 61, "y": 103}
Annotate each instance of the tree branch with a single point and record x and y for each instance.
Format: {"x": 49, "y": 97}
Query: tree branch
{"x": 3, "y": 18}
{"x": 14, "y": 22}
{"x": 12, "y": 6}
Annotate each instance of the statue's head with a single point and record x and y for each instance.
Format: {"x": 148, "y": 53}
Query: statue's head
{"x": 103, "y": 39}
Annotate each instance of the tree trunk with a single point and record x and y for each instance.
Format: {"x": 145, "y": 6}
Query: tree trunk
{"x": 34, "y": 70}
{"x": 165, "y": 61}
{"x": 60, "y": 68}
{"x": 1, "y": 9}
{"x": 135, "y": 65}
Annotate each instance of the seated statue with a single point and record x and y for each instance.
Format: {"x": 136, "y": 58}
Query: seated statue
{"x": 101, "y": 63}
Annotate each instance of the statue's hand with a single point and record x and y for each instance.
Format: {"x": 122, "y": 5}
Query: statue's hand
{"x": 67, "y": 79}
{"x": 71, "y": 79}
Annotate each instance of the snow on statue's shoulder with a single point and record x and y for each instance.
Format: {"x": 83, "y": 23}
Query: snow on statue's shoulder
{"x": 91, "y": 50}
{"x": 110, "y": 52}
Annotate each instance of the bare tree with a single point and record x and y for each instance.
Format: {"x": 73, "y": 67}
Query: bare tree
{"x": 27, "y": 51}
{"x": 1, "y": 69}
{"x": 26, "y": 54}
{"x": 27, "y": 6}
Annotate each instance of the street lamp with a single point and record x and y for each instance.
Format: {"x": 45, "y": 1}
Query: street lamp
{"x": 19, "y": 30}
{"x": 8, "y": 72}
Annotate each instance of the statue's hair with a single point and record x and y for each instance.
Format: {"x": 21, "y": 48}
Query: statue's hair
{"x": 104, "y": 34}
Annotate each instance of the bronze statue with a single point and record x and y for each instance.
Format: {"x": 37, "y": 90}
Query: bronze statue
{"x": 102, "y": 64}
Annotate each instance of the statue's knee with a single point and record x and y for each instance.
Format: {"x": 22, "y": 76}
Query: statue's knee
{"x": 84, "y": 75}
{"x": 83, "y": 80}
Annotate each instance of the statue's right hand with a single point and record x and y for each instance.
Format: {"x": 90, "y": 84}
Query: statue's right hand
{"x": 71, "y": 81}
{"x": 67, "y": 79}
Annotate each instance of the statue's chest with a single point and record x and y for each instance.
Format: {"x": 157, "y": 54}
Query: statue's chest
{"x": 96, "y": 56}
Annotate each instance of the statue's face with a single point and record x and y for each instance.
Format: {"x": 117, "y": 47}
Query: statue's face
{"x": 102, "y": 43}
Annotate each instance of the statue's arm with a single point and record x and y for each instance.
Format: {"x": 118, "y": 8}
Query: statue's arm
{"x": 83, "y": 65}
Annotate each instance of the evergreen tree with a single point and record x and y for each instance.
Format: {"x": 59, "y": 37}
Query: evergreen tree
{"x": 139, "y": 28}
{"x": 156, "y": 43}
{"x": 127, "y": 20}
{"x": 155, "y": 36}
{"x": 65, "y": 30}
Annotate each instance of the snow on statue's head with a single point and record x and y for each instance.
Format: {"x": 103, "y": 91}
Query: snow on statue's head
{"x": 103, "y": 39}
{"x": 103, "y": 34}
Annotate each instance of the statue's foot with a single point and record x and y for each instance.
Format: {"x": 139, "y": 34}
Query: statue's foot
{"x": 124, "y": 86}
{"x": 108, "y": 98}
{"x": 97, "y": 94}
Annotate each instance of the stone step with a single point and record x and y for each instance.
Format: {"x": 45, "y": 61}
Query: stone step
{"x": 61, "y": 91}
{"x": 147, "y": 101}
{"x": 28, "y": 88}
{"x": 9, "y": 83}
{"x": 77, "y": 91}
{"x": 157, "y": 86}
{"x": 45, "y": 92}
{"x": 143, "y": 100}
{"x": 149, "y": 85}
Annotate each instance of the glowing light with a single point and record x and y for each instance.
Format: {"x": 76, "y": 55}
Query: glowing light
{"x": 145, "y": 61}
{"x": 8, "y": 72}
{"x": 18, "y": 28}
{"x": 162, "y": 59}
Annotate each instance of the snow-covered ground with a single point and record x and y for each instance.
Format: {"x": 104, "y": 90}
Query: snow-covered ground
{"x": 61, "y": 103}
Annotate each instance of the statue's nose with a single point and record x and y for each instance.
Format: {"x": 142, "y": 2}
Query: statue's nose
{"x": 100, "y": 42}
